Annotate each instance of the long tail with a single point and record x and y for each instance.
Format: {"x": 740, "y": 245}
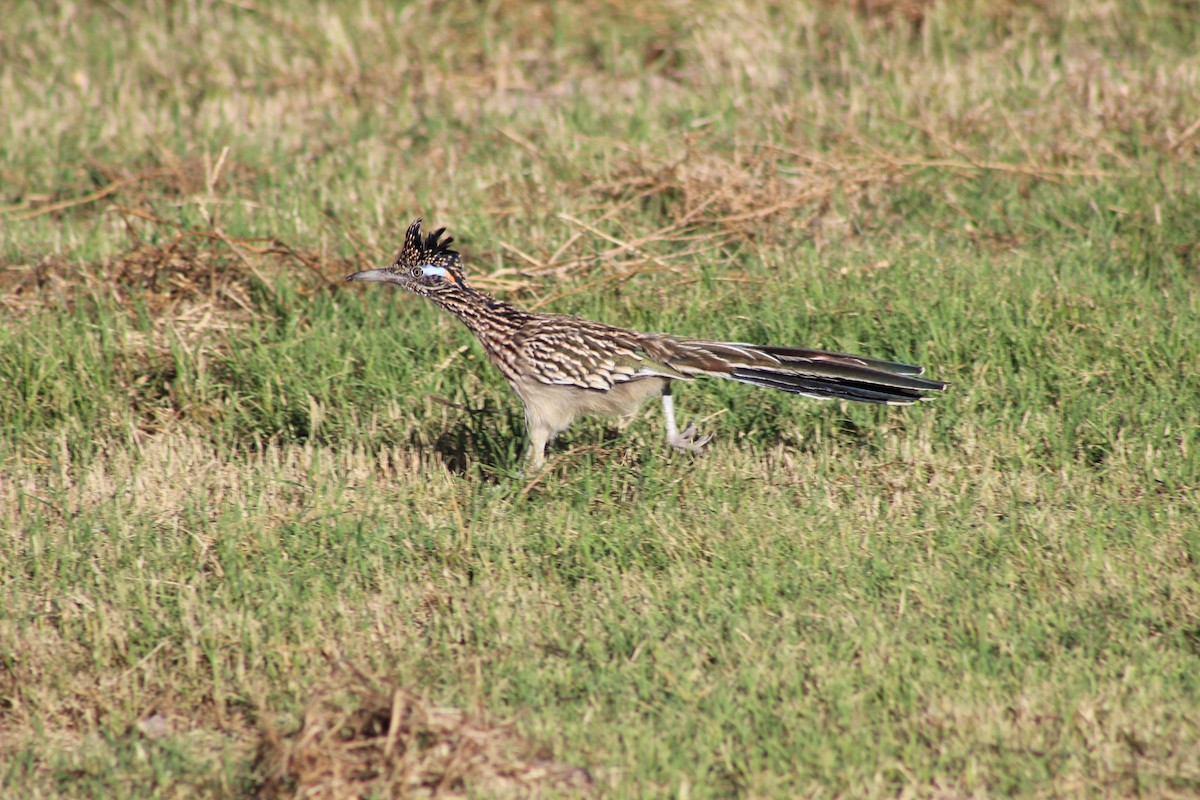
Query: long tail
{"x": 811, "y": 373}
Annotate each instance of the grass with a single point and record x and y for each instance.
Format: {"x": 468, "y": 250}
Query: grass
{"x": 265, "y": 534}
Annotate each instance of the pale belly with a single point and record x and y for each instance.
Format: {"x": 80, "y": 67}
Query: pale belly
{"x": 557, "y": 406}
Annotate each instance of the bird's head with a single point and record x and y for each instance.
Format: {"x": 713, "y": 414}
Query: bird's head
{"x": 424, "y": 265}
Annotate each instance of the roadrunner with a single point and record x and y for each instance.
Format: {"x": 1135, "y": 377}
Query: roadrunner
{"x": 563, "y": 367}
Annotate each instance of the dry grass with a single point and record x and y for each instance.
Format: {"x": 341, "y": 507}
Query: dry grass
{"x": 179, "y": 492}
{"x": 358, "y": 739}
{"x": 222, "y": 471}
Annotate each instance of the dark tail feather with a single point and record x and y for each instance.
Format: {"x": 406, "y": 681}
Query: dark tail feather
{"x": 861, "y": 389}
{"x": 818, "y": 373}
{"x": 813, "y": 373}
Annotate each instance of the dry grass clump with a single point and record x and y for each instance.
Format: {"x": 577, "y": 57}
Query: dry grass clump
{"x": 742, "y": 190}
{"x": 170, "y": 177}
{"x": 914, "y": 10}
{"x": 373, "y": 741}
{"x": 701, "y": 200}
{"x": 205, "y": 267}
{"x": 171, "y": 262}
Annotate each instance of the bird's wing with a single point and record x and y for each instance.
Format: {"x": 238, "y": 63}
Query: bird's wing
{"x": 566, "y": 351}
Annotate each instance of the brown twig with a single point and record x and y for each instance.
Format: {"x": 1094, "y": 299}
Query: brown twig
{"x": 91, "y": 197}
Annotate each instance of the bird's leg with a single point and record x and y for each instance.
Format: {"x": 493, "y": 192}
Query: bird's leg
{"x": 539, "y": 437}
{"x": 689, "y": 441}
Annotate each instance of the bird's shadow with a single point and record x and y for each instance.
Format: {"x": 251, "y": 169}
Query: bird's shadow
{"x": 484, "y": 438}
{"x": 487, "y": 442}
{"x": 493, "y": 442}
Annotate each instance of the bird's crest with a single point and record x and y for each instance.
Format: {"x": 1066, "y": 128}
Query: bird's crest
{"x": 431, "y": 249}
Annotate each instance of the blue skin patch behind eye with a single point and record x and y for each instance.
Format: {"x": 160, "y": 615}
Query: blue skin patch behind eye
{"x": 431, "y": 270}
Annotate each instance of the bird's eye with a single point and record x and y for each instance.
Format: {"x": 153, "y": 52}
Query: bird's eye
{"x": 417, "y": 272}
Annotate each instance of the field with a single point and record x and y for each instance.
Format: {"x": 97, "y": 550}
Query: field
{"x": 264, "y": 533}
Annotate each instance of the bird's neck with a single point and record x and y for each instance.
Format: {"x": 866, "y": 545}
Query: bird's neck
{"x": 494, "y": 322}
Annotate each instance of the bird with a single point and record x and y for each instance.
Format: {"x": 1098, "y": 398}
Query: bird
{"x": 563, "y": 367}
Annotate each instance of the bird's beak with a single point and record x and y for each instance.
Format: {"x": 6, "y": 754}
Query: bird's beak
{"x": 376, "y": 275}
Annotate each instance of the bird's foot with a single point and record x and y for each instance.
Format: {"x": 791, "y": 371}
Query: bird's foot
{"x": 689, "y": 440}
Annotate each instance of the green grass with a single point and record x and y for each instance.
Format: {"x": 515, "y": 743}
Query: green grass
{"x": 226, "y": 478}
